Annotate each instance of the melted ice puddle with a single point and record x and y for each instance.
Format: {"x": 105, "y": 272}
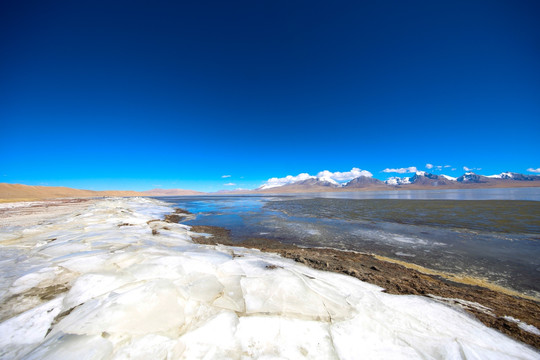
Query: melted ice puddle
{"x": 114, "y": 285}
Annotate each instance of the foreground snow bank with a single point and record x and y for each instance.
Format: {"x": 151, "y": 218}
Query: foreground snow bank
{"x": 108, "y": 283}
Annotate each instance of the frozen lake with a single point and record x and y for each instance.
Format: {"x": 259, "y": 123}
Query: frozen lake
{"x": 493, "y": 234}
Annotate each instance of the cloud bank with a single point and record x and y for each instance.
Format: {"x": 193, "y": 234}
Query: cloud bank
{"x": 537, "y": 170}
{"x": 470, "y": 169}
{"x": 230, "y": 184}
{"x": 325, "y": 175}
{"x": 344, "y": 176}
{"x": 289, "y": 179}
{"x": 225, "y": 176}
{"x": 410, "y": 169}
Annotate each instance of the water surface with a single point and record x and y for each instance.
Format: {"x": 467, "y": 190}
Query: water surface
{"x": 489, "y": 233}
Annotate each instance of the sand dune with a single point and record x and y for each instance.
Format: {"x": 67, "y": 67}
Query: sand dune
{"x": 19, "y": 192}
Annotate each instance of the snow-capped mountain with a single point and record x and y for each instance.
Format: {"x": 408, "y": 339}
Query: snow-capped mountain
{"x": 302, "y": 182}
{"x": 427, "y": 179}
{"x": 420, "y": 180}
{"x": 451, "y": 178}
{"x": 504, "y": 175}
{"x": 318, "y": 181}
{"x": 470, "y": 177}
{"x": 514, "y": 176}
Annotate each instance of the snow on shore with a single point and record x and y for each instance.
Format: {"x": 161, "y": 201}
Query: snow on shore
{"x": 108, "y": 283}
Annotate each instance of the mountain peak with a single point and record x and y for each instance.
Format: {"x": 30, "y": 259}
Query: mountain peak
{"x": 363, "y": 181}
{"x": 470, "y": 177}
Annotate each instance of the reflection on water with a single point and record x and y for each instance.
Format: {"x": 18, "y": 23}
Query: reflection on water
{"x": 449, "y": 194}
{"x": 494, "y": 239}
{"x": 492, "y": 215}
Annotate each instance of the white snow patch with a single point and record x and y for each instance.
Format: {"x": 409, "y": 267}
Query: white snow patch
{"x": 523, "y": 326}
{"x": 451, "y": 178}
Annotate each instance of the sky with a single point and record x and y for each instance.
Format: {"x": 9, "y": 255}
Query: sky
{"x": 227, "y": 94}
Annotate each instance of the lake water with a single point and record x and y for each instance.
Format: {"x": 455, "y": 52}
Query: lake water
{"x": 492, "y": 234}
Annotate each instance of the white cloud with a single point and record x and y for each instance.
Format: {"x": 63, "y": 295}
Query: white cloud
{"x": 436, "y": 167}
{"x": 470, "y": 169}
{"x": 289, "y": 179}
{"x": 344, "y": 176}
{"x": 230, "y": 184}
{"x": 225, "y": 176}
{"x": 537, "y": 170}
{"x": 410, "y": 169}
{"x": 333, "y": 177}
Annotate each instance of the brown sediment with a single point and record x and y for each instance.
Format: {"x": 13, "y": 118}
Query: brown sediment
{"x": 178, "y": 215}
{"x": 19, "y": 303}
{"x": 489, "y": 305}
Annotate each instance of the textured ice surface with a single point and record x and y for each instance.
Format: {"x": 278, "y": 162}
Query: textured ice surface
{"x": 111, "y": 284}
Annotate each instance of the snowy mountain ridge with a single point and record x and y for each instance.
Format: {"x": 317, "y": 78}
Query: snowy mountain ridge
{"x": 420, "y": 178}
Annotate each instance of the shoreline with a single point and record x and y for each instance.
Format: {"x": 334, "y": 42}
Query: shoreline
{"x": 497, "y": 308}
{"x": 13, "y": 193}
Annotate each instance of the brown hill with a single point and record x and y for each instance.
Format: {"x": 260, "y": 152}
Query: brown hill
{"x": 366, "y": 182}
{"x": 293, "y": 188}
{"x": 19, "y": 192}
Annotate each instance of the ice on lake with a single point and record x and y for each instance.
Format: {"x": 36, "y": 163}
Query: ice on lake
{"x": 112, "y": 284}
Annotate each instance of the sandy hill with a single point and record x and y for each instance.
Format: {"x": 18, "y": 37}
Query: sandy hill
{"x": 19, "y": 192}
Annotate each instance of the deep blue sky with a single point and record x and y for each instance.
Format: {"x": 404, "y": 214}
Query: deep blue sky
{"x": 135, "y": 94}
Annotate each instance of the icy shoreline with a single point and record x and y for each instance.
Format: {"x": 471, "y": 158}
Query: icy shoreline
{"x": 110, "y": 283}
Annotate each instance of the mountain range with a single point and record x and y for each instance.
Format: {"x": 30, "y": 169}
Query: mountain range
{"x": 420, "y": 180}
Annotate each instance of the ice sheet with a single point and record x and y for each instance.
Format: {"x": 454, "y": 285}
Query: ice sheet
{"x": 112, "y": 284}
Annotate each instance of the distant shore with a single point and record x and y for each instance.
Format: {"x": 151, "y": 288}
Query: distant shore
{"x": 412, "y": 187}
{"x": 495, "y": 307}
{"x": 20, "y": 192}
